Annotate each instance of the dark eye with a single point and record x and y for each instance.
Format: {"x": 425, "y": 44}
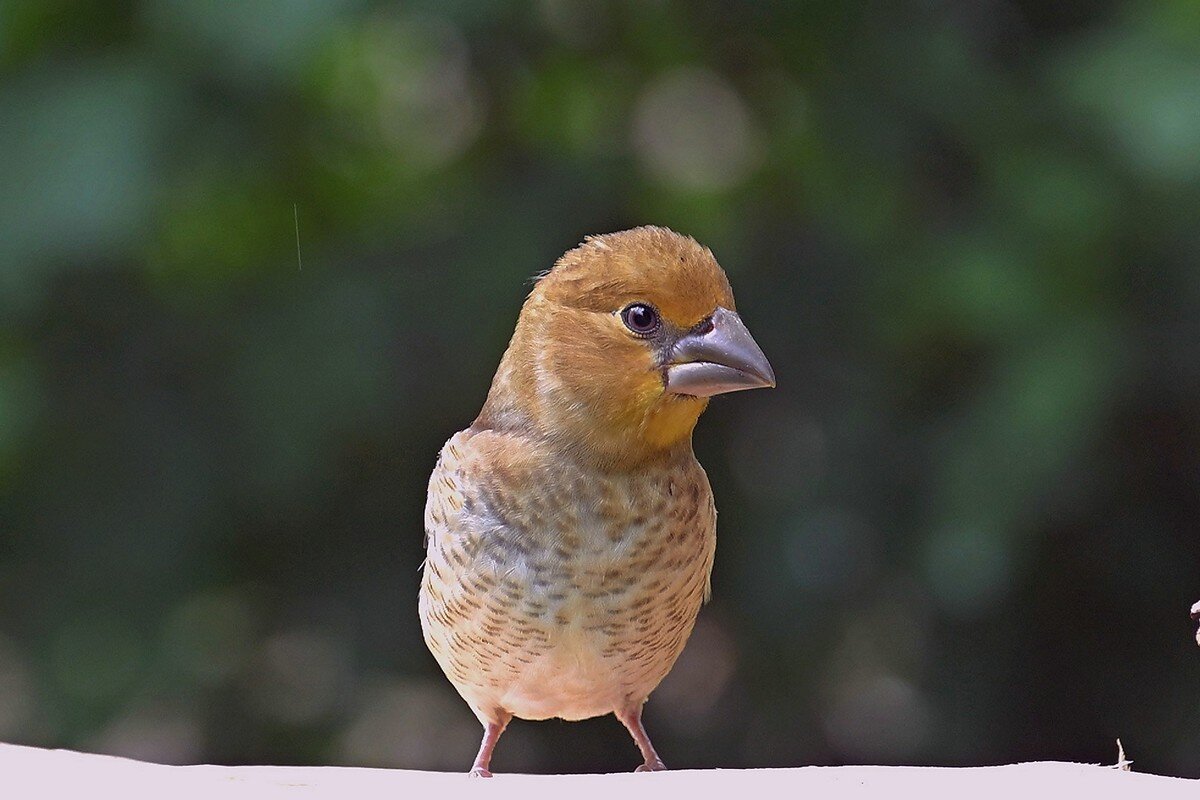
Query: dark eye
{"x": 640, "y": 318}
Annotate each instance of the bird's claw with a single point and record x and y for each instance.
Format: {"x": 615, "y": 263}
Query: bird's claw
{"x": 479, "y": 772}
{"x": 651, "y": 766}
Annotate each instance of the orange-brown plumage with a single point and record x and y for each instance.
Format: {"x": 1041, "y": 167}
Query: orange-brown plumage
{"x": 570, "y": 529}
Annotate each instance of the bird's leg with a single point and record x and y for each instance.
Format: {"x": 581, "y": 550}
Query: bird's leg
{"x": 491, "y": 735}
{"x": 631, "y": 718}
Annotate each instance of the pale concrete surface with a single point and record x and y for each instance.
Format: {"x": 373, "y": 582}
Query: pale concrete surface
{"x": 28, "y": 772}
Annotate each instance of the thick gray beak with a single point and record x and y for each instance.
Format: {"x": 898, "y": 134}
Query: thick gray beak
{"x": 721, "y": 358}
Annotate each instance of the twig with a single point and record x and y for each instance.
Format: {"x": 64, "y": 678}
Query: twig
{"x": 1122, "y": 762}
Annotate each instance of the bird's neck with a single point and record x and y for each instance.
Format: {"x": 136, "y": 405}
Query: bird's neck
{"x": 617, "y": 432}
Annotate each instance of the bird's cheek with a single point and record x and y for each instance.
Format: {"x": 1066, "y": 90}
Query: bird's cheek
{"x": 634, "y": 397}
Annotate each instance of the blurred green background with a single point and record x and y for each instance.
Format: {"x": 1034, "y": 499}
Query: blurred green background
{"x": 963, "y": 530}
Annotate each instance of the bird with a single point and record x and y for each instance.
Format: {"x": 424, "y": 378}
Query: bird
{"x": 570, "y": 531}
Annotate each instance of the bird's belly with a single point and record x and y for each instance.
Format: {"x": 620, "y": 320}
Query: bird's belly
{"x": 575, "y": 650}
{"x": 590, "y": 667}
{"x": 608, "y": 644}
{"x": 570, "y": 683}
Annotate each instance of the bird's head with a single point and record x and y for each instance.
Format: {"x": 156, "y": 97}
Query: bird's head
{"x": 620, "y": 345}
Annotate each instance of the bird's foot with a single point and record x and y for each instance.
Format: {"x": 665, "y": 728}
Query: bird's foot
{"x": 480, "y": 772}
{"x": 651, "y": 766}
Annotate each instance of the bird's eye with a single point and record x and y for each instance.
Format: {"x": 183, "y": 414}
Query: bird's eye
{"x": 640, "y": 318}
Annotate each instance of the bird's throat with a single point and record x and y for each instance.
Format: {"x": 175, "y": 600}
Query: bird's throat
{"x": 669, "y": 421}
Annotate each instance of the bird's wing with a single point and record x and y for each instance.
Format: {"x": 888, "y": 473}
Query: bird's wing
{"x": 484, "y": 501}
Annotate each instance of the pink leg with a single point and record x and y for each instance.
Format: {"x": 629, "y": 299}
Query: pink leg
{"x": 491, "y": 735}
{"x": 631, "y": 718}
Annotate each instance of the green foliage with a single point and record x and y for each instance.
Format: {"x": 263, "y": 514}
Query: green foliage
{"x": 962, "y": 530}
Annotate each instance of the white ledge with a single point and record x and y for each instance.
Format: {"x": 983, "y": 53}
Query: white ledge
{"x": 34, "y": 772}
